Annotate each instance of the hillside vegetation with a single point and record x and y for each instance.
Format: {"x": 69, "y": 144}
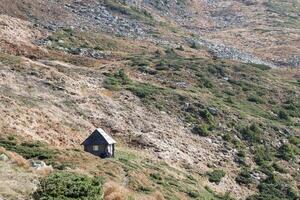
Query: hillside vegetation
{"x": 192, "y": 119}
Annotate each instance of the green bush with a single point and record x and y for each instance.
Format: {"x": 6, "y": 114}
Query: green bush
{"x": 274, "y": 189}
{"x": 193, "y": 194}
{"x": 140, "y": 61}
{"x": 286, "y": 152}
{"x": 295, "y": 140}
{"x": 251, "y": 133}
{"x": 241, "y": 154}
{"x": 205, "y": 83}
{"x": 279, "y": 168}
{"x": 261, "y": 66}
{"x": 207, "y": 116}
{"x": 156, "y": 176}
{"x": 241, "y": 159}
{"x": 244, "y": 177}
{"x": 201, "y": 130}
{"x": 112, "y": 83}
{"x": 27, "y": 149}
{"x": 283, "y": 115}
{"x": 116, "y": 80}
{"x": 131, "y": 11}
{"x": 162, "y": 66}
{"x": 256, "y": 99}
{"x": 142, "y": 90}
{"x": 263, "y": 155}
{"x": 227, "y": 137}
{"x": 69, "y": 186}
{"x": 216, "y": 175}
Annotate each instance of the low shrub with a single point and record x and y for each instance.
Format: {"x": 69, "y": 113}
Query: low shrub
{"x": 279, "y": 168}
{"x": 227, "y": 137}
{"x": 68, "y": 186}
{"x": 295, "y": 140}
{"x": 116, "y": 81}
{"x": 204, "y": 83}
{"x": 201, "y": 130}
{"x": 241, "y": 154}
{"x": 142, "y": 90}
{"x": 28, "y": 149}
{"x": 244, "y": 177}
{"x": 274, "y": 189}
{"x": 261, "y": 66}
{"x": 156, "y": 176}
{"x": 286, "y": 152}
{"x": 256, "y": 99}
{"x": 241, "y": 159}
{"x": 251, "y": 133}
{"x": 131, "y": 11}
{"x": 283, "y": 115}
{"x": 263, "y": 155}
{"x": 216, "y": 175}
{"x": 207, "y": 116}
{"x": 144, "y": 189}
{"x": 193, "y": 194}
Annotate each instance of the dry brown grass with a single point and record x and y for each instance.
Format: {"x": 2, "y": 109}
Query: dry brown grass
{"x": 158, "y": 196}
{"x": 15, "y": 158}
{"x": 45, "y": 171}
{"x": 154, "y": 196}
{"x": 114, "y": 191}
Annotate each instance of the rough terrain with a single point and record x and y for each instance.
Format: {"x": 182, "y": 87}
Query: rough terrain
{"x": 186, "y": 88}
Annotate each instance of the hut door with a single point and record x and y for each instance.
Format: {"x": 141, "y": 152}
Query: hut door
{"x": 109, "y": 148}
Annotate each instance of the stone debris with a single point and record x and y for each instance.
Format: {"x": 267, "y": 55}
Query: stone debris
{"x": 226, "y": 52}
{"x": 39, "y": 165}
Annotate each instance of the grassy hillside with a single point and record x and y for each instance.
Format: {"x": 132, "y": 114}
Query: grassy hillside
{"x": 251, "y": 112}
{"x": 189, "y": 125}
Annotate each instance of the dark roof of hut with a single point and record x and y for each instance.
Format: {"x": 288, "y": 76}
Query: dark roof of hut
{"x": 99, "y": 136}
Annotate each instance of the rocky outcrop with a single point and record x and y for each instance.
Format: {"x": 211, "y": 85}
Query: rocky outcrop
{"x": 226, "y": 52}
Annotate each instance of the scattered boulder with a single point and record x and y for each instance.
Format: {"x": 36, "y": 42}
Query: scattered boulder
{"x": 213, "y": 111}
{"x": 38, "y": 164}
{"x": 4, "y": 157}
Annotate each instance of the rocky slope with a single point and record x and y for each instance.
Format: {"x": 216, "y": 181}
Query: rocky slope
{"x": 188, "y": 84}
{"x": 252, "y": 31}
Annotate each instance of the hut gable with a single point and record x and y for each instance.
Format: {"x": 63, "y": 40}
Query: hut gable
{"x": 98, "y": 137}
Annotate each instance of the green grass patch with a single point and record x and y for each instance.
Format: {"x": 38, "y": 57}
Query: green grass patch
{"x": 143, "y": 90}
{"x": 286, "y": 152}
{"x": 251, "y": 133}
{"x": 216, "y": 176}
{"x": 10, "y": 60}
{"x": 201, "y": 130}
{"x": 261, "y": 66}
{"x": 131, "y": 11}
{"x": 70, "y": 39}
{"x": 244, "y": 177}
{"x": 263, "y": 155}
{"x": 255, "y": 99}
{"x": 28, "y": 150}
{"x": 69, "y": 186}
{"x": 274, "y": 188}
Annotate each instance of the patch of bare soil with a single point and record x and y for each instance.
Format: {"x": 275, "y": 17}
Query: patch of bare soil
{"x": 16, "y": 37}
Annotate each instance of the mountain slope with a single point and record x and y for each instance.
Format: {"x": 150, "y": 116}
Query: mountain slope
{"x": 180, "y": 113}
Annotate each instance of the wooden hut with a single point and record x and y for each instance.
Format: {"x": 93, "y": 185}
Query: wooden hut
{"x": 100, "y": 144}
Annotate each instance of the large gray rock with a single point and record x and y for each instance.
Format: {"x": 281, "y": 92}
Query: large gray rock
{"x": 38, "y": 164}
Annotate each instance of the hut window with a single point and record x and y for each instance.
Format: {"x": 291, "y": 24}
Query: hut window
{"x": 95, "y": 148}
